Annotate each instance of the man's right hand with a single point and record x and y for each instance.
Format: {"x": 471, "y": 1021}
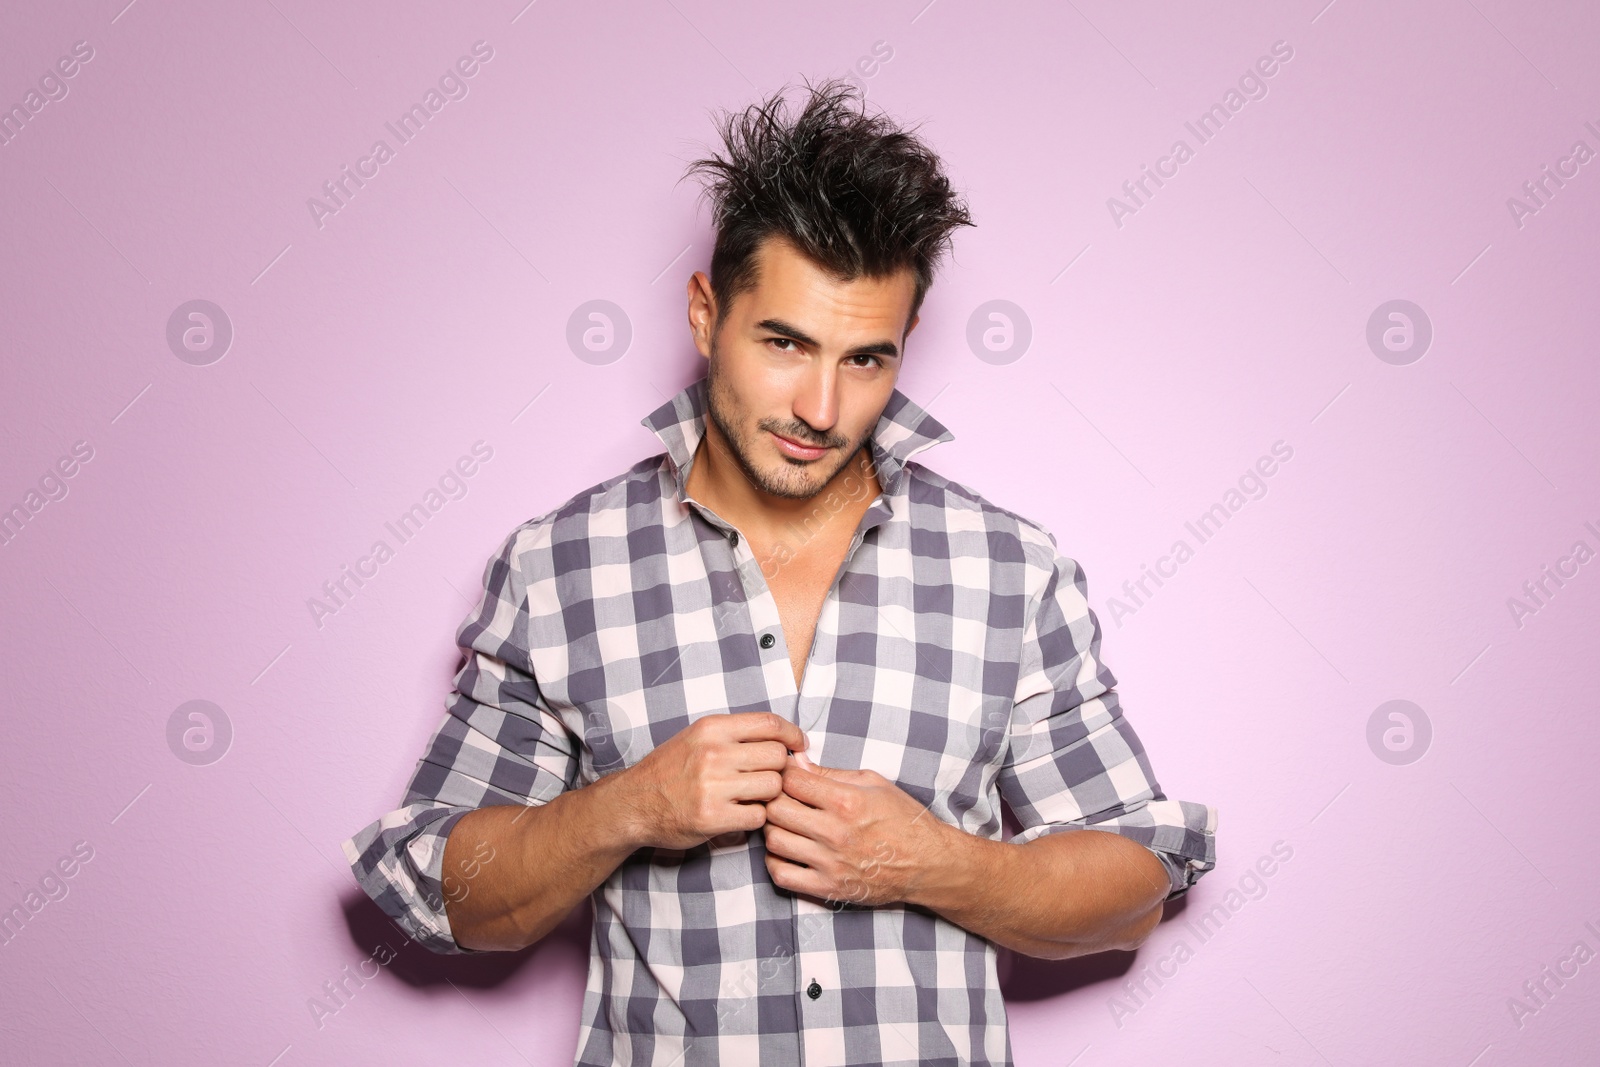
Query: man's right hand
{"x": 712, "y": 778}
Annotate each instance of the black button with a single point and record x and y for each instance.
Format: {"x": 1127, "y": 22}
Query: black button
{"x": 767, "y": 640}
{"x": 813, "y": 990}
{"x": 733, "y": 538}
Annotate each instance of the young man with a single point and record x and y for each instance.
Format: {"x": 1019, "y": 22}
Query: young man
{"x": 760, "y": 697}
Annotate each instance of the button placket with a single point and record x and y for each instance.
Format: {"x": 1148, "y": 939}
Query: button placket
{"x": 817, "y": 971}
{"x": 765, "y": 629}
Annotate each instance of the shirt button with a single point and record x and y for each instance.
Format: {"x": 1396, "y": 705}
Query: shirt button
{"x": 733, "y": 538}
{"x": 813, "y": 990}
{"x": 767, "y": 641}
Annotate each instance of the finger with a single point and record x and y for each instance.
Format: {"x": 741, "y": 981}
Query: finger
{"x": 792, "y": 846}
{"x": 763, "y": 726}
{"x": 755, "y": 816}
{"x": 795, "y": 878}
{"x": 813, "y": 785}
{"x": 858, "y": 775}
{"x": 756, "y": 785}
{"x": 760, "y": 756}
{"x": 789, "y": 813}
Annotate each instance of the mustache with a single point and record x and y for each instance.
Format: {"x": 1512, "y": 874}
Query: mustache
{"x": 801, "y": 433}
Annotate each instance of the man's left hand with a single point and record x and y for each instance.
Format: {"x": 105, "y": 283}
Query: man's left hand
{"x": 860, "y": 837}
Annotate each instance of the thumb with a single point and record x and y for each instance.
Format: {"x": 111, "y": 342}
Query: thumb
{"x": 838, "y": 774}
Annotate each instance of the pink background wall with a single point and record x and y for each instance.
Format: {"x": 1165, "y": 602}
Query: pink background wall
{"x": 1171, "y": 347}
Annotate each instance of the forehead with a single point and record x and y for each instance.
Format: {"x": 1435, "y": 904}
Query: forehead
{"x": 792, "y": 286}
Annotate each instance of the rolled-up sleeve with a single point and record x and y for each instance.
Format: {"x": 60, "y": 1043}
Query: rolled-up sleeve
{"x": 499, "y": 743}
{"x": 1074, "y": 761}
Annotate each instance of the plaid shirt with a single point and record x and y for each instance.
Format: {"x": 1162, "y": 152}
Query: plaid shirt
{"x": 955, "y": 654}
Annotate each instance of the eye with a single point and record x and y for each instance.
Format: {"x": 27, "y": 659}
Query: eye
{"x": 867, "y": 355}
{"x": 782, "y": 341}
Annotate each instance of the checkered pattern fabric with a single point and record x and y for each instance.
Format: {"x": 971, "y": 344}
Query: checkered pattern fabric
{"x": 956, "y": 654}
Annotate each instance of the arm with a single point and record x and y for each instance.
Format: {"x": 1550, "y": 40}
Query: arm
{"x": 1111, "y": 893}
{"x": 502, "y": 770}
{"x": 493, "y": 842}
{"x": 515, "y": 872}
{"x": 864, "y": 839}
{"x": 499, "y": 747}
{"x": 710, "y": 778}
{"x": 1073, "y": 762}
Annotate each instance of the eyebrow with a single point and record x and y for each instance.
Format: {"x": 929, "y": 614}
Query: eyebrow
{"x": 794, "y": 333}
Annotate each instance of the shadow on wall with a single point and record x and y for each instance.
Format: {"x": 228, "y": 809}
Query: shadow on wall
{"x": 381, "y": 940}
{"x": 1026, "y": 978}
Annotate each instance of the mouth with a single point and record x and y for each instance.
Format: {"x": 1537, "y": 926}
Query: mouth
{"x": 797, "y": 450}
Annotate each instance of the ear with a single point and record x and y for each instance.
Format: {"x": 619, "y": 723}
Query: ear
{"x": 702, "y": 311}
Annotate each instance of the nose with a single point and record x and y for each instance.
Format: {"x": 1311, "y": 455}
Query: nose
{"x": 817, "y": 402}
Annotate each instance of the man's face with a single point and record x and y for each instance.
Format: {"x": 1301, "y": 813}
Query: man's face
{"x": 801, "y": 366}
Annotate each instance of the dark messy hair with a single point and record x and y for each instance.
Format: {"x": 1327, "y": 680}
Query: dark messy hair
{"x": 855, "y": 193}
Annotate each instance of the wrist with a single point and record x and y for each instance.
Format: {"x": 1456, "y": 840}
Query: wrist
{"x": 621, "y": 797}
{"x": 951, "y": 866}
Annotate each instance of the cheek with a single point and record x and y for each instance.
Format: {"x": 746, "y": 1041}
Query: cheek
{"x": 726, "y": 399}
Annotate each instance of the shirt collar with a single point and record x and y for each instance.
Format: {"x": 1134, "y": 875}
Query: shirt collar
{"x": 903, "y": 430}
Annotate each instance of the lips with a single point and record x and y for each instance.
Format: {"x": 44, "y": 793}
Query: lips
{"x": 798, "y": 450}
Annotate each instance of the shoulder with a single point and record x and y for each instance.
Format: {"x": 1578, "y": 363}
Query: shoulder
{"x": 940, "y": 502}
{"x": 936, "y": 499}
{"x": 614, "y": 506}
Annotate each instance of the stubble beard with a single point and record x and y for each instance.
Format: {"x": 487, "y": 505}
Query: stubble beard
{"x": 791, "y": 480}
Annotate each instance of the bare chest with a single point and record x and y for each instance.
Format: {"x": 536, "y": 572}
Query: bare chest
{"x": 799, "y": 579}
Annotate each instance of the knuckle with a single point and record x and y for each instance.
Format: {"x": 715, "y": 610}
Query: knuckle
{"x": 704, "y": 811}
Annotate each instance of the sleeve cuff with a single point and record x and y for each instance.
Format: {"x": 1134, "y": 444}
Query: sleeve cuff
{"x": 1181, "y": 833}
{"x": 399, "y": 862}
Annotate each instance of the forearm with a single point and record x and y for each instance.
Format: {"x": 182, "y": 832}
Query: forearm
{"x": 512, "y": 873}
{"x": 1066, "y": 894}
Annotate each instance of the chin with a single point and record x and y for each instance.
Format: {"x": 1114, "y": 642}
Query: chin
{"x": 791, "y": 491}
{"x": 782, "y": 481}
